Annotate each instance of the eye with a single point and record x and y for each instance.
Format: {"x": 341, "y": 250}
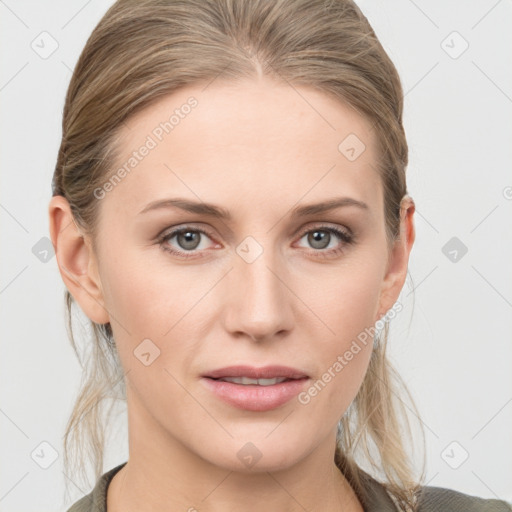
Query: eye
{"x": 320, "y": 239}
{"x": 188, "y": 240}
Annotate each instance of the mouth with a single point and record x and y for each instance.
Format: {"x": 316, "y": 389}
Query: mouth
{"x": 255, "y": 389}
{"x": 261, "y": 375}
{"x": 247, "y": 381}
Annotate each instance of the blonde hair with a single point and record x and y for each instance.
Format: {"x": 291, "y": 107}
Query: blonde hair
{"x": 143, "y": 50}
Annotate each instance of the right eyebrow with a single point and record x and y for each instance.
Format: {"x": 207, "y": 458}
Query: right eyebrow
{"x": 189, "y": 206}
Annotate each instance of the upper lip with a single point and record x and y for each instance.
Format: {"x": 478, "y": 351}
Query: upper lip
{"x": 265, "y": 372}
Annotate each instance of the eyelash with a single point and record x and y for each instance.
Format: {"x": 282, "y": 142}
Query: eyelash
{"x": 346, "y": 237}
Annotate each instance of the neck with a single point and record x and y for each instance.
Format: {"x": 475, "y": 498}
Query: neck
{"x": 137, "y": 488}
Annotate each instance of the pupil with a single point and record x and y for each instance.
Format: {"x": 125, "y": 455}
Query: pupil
{"x": 189, "y": 242}
{"x": 320, "y": 236}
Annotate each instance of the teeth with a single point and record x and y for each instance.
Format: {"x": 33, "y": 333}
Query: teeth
{"x": 260, "y": 382}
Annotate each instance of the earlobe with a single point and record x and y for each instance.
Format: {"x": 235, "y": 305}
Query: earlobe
{"x": 76, "y": 260}
{"x": 398, "y": 262}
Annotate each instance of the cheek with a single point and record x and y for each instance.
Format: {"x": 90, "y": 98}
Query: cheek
{"x": 347, "y": 299}
{"x": 357, "y": 304}
{"x": 346, "y": 306}
{"x": 160, "y": 304}
{"x": 155, "y": 317}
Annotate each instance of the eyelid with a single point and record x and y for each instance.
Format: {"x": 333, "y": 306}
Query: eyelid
{"x": 344, "y": 234}
{"x": 327, "y": 226}
{"x": 183, "y": 227}
{"x": 302, "y": 231}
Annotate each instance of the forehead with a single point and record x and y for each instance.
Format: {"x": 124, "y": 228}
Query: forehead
{"x": 248, "y": 145}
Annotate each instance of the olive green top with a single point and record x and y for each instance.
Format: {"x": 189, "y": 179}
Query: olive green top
{"x": 376, "y": 499}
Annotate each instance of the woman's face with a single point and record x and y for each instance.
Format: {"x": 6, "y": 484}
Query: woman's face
{"x": 269, "y": 284}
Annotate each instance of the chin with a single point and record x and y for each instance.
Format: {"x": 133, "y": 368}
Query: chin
{"x": 250, "y": 457}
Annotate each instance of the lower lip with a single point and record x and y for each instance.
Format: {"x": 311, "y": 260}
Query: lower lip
{"x": 254, "y": 397}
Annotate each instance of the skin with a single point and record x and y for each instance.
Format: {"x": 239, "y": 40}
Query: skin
{"x": 257, "y": 149}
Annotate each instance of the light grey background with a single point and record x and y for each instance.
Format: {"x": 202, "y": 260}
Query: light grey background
{"x": 454, "y": 350}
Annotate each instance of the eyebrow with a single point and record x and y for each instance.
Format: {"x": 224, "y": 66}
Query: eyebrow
{"x": 218, "y": 212}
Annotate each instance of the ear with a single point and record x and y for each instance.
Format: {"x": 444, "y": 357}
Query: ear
{"x": 396, "y": 272}
{"x": 76, "y": 260}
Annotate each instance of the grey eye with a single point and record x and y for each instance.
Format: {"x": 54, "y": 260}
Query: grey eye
{"x": 319, "y": 239}
{"x": 188, "y": 239}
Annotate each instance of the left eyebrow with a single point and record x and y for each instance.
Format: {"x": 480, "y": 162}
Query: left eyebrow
{"x": 212, "y": 210}
{"x": 330, "y": 204}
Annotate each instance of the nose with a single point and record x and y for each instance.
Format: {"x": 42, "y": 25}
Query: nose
{"x": 259, "y": 303}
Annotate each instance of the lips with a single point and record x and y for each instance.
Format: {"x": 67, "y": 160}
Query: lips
{"x": 255, "y": 389}
{"x": 250, "y": 372}
{"x": 246, "y": 381}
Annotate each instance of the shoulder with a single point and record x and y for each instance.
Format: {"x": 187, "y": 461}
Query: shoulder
{"x": 377, "y": 498}
{"x": 433, "y": 499}
{"x": 96, "y": 500}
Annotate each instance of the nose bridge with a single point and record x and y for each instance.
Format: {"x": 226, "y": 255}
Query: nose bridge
{"x": 259, "y": 304}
